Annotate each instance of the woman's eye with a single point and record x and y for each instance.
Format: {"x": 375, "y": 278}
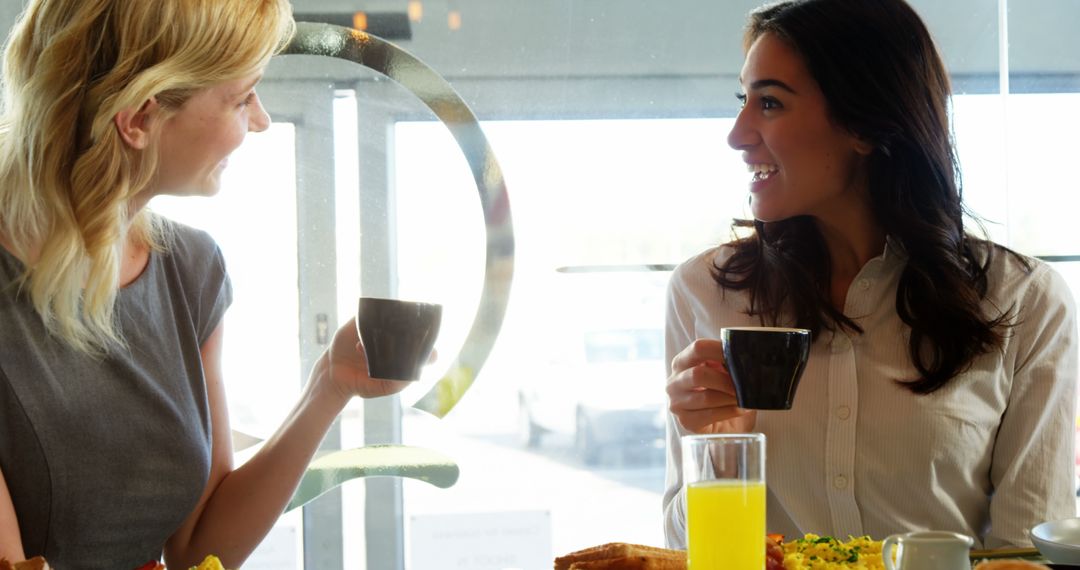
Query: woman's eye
{"x": 769, "y": 103}
{"x": 248, "y": 100}
{"x": 765, "y": 102}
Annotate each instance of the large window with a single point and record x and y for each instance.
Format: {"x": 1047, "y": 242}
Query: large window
{"x": 612, "y": 140}
{"x": 609, "y": 119}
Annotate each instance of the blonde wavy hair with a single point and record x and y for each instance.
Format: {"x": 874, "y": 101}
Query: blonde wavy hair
{"x": 67, "y": 179}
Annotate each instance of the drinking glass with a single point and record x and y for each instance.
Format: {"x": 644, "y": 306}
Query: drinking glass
{"x": 725, "y": 501}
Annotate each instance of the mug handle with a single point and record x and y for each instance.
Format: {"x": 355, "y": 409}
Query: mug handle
{"x": 886, "y": 551}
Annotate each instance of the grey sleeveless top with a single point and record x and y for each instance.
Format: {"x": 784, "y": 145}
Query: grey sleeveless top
{"x": 105, "y": 457}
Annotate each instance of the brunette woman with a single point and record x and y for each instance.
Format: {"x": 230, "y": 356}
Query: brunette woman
{"x": 940, "y": 388}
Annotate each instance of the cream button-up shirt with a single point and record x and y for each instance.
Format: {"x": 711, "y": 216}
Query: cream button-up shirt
{"x": 989, "y": 455}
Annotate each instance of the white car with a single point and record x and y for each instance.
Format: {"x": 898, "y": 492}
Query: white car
{"x": 606, "y": 390}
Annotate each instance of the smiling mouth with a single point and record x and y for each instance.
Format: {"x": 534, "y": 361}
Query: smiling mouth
{"x": 762, "y": 171}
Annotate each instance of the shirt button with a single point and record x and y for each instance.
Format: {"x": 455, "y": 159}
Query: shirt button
{"x": 840, "y": 482}
{"x": 864, "y": 284}
{"x": 843, "y": 412}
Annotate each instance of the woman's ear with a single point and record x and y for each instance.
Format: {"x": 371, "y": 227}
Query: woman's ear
{"x": 133, "y": 125}
{"x": 863, "y": 147}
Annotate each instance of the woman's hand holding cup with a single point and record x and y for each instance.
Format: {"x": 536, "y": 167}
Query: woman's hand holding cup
{"x": 345, "y": 367}
{"x": 702, "y": 394}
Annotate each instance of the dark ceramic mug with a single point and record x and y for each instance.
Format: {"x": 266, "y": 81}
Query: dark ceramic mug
{"x": 398, "y": 336}
{"x": 765, "y": 364}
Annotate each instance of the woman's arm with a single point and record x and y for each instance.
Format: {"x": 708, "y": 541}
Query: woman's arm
{"x": 701, "y": 399}
{"x": 240, "y": 506}
{"x": 1033, "y": 470}
{"x": 701, "y": 394}
{"x": 10, "y": 542}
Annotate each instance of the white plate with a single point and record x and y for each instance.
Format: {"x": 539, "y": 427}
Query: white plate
{"x": 1058, "y": 541}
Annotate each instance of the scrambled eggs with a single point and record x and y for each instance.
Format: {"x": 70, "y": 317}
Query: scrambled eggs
{"x": 209, "y": 563}
{"x": 814, "y": 552}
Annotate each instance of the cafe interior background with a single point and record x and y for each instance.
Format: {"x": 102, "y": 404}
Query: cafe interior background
{"x": 607, "y": 119}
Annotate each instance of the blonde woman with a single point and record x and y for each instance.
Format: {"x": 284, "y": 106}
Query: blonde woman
{"x": 114, "y": 434}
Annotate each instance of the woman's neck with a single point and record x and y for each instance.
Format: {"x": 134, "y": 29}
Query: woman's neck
{"x": 851, "y": 246}
{"x": 853, "y": 238}
{"x": 134, "y": 257}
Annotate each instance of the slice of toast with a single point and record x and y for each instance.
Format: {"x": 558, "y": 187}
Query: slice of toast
{"x": 620, "y": 551}
{"x": 35, "y": 563}
{"x": 631, "y": 563}
{"x": 1010, "y": 565}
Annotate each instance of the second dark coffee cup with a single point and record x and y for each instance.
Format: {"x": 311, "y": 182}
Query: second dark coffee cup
{"x": 398, "y": 336}
{"x": 765, "y": 364}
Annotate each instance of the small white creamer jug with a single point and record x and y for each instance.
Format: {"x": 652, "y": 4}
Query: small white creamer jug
{"x": 927, "y": 550}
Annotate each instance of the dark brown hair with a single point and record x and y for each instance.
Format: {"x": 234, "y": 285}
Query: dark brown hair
{"x": 884, "y": 81}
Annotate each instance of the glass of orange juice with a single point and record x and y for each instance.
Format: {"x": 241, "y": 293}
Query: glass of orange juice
{"x": 725, "y": 501}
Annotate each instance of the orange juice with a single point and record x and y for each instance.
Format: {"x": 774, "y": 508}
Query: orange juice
{"x": 725, "y": 522}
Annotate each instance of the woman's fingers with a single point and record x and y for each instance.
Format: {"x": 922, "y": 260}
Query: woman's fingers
{"x": 707, "y": 375}
{"x": 699, "y": 351}
{"x": 709, "y": 421}
{"x": 703, "y": 410}
{"x": 700, "y": 391}
{"x": 700, "y": 399}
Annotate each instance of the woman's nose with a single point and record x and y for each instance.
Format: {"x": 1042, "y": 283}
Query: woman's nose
{"x": 743, "y": 135}
{"x": 259, "y": 119}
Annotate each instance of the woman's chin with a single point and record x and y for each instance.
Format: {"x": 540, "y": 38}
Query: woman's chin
{"x": 766, "y": 215}
{"x": 772, "y": 210}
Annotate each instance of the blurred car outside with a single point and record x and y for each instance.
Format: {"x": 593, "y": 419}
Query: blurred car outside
{"x": 602, "y": 381}
{"x": 608, "y": 394}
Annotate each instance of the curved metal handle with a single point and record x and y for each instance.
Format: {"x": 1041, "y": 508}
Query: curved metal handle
{"x": 331, "y": 470}
{"x": 399, "y": 65}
